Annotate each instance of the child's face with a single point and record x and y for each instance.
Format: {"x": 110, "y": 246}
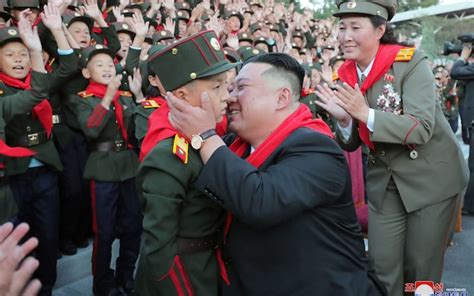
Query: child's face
{"x": 100, "y": 69}
{"x": 15, "y": 60}
{"x": 80, "y": 33}
{"x": 125, "y": 42}
{"x": 216, "y": 88}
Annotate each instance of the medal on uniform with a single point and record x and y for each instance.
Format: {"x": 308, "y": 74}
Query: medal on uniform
{"x": 413, "y": 154}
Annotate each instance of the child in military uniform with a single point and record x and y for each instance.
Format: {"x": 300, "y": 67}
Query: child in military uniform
{"x": 106, "y": 117}
{"x": 33, "y": 180}
{"x": 181, "y": 224}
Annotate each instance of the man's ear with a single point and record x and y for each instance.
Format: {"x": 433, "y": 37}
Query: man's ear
{"x": 284, "y": 98}
{"x": 86, "y": 73}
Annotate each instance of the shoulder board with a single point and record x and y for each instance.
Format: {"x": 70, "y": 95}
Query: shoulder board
{"x": 84, "y": 94}
{"x": 180, "y": 148}
{"x": 51, "y": 61}
{"x": 126, "y": 93}
{"x": 335, "y": 76}
{"x": 1, "y": 92}
{"x": 405, "y": 54}
{"x": 150, "y": 104}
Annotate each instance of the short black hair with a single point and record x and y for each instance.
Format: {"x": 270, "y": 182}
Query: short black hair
{"x": 282, "y": 62}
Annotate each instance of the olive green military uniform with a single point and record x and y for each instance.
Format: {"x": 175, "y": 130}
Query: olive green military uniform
{"x": 181, "y": 225}
{"x": 415, "y": 172}
{"x": 111, "y": 167}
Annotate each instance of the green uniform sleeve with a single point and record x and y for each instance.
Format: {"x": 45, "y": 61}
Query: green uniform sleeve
{"x": 23, "y": 101}
{"x": 165, "y": 182}
{"x": 92, "y": 119}
{"x": 68, "y": 67}
{"x": 110, "y": 34}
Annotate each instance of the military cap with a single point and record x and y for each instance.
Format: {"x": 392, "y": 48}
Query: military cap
{"x": 139, "y": 5}
{"x": 183, "y": 6}
{"x": 274, "y": 28}
{"x": 127, "y": 12}
{"x": 22, "y": 4}
{"x": 230, "y": 13}
{"x": 205, "y": 17}
{"x": 333, "y": 60}
{"x": 307, "y": 68}
{"x": 329, "y": 47}
{"x": 248, "y": 10}
{"x": 182, "y": 15}
{"x": 162, "y": 35}
{"x": 298, "y": 34}
{"x": 9, "y": 34}
{"x": 247, "y": 52}
{"x": 124, "y": 28}
{"x": 255, "y": 27}
{"x": 232, "y": 55}
{"x": 260, "y": 40}
{"x": 318, "y": 66}
{"x": 194, "y": 57}
{"x": 295, "y": 46}
{"x": 383, "y": 8}
{"x": 245, "y": 36}
{"x": 154, "y": 49}
{"x": 70, "y": 17}
{"x": 303, "y": 50}
{"x": 5, "y": 16}
{"x": 257, "y": 3}
{"x": 89, "y": 52}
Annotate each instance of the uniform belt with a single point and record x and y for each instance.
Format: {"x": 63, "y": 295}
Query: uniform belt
{"x": 119, "y": 145}
{"x": 195, "y": 245}
{"x": 29, "y": 140}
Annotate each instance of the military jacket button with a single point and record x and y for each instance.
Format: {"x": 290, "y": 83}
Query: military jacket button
{"x": 28, "y": 128}
{"x": 382, "y": 153}
{"x": 413, "y": 154}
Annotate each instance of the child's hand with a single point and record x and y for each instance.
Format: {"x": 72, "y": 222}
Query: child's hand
{"x": 51, "y": 18}
{"x": 29, "y": 35}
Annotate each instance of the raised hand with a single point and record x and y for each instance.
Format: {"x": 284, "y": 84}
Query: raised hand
{"x": 169, "y": 25}
{"x": 326, "y": 73}
{"x": 155, "y": 5}
{"x": 123, "y": 4}
{"x": 139, "y": 26}
{"x": 233, "y": 41}
{"x": 91, "y": 9}
{"x": 51, "y": 18}
{"x": 29, "y": 35}
{"x": 135, "y": 84}
{"x": 168, "y": 4}
{"x": 118, "y": 13}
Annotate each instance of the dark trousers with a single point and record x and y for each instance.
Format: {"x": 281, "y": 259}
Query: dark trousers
{"x": 75, "y": 212}
{"x": 115, "y": 212}
{"x": 469, "y": 197}
{"x": 36, "y": 195}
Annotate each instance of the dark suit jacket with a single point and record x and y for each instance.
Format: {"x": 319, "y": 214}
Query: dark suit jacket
{"x": 464, "y": 71}
{"x": 295, "y": 231}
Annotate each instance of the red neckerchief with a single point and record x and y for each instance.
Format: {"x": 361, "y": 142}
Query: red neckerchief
{"x": 42, "y": 110}
{"x": 384, "y": 59}
{"x": 160, "y": 128}
{"x": 14, "y": 151}
{"x": 302, "y": 117}
{"x": 306, "y": 91}
{"x": 99, "y": 91}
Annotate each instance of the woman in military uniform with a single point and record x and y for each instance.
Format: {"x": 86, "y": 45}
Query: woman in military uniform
{"x": 416, "y": 170}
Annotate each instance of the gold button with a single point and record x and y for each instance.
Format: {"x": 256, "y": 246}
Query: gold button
{"x": 193, "y": 75}
{"x": 174, "y": 51}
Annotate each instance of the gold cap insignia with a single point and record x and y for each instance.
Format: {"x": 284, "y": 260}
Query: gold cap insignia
{"x": 163, "y": 33}
{"x": 180, "y": 13}
{"x": 12, "y": 32}
{"x": 174, "y": 51}
{"x": 351, "y": 5}
{"x": 99, "y": 46}
{"x": 244, "y": 35}
{"x": 215, "y": 44}
{"x": 192, "y": 75}
{"x": 125, "y": 26}
{"x": 255, "y": 51}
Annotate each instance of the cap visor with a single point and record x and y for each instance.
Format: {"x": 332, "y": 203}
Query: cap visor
{"x": 218, "y": 69}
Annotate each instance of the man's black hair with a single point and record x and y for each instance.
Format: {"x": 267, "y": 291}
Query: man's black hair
{"x": 281, "y": 61}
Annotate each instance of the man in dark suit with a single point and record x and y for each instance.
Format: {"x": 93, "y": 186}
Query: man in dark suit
{"x": 464, "y": 70}
{"x": 292, "y": 227}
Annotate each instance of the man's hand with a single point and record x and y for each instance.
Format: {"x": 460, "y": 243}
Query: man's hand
{"x": 15, "y": 270}
{"x": 190, "y": 120}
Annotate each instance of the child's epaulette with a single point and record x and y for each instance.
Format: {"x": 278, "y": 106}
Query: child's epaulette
{"x": 1, "y": 90}
{"x": 126, "y": 93}
{"x": 180, "y": 148}
{"x": 150, "y": 104}
{"x": 84, "y": 94}
{"x": 335, "y": 76}
{"x": 405, "y": 54}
